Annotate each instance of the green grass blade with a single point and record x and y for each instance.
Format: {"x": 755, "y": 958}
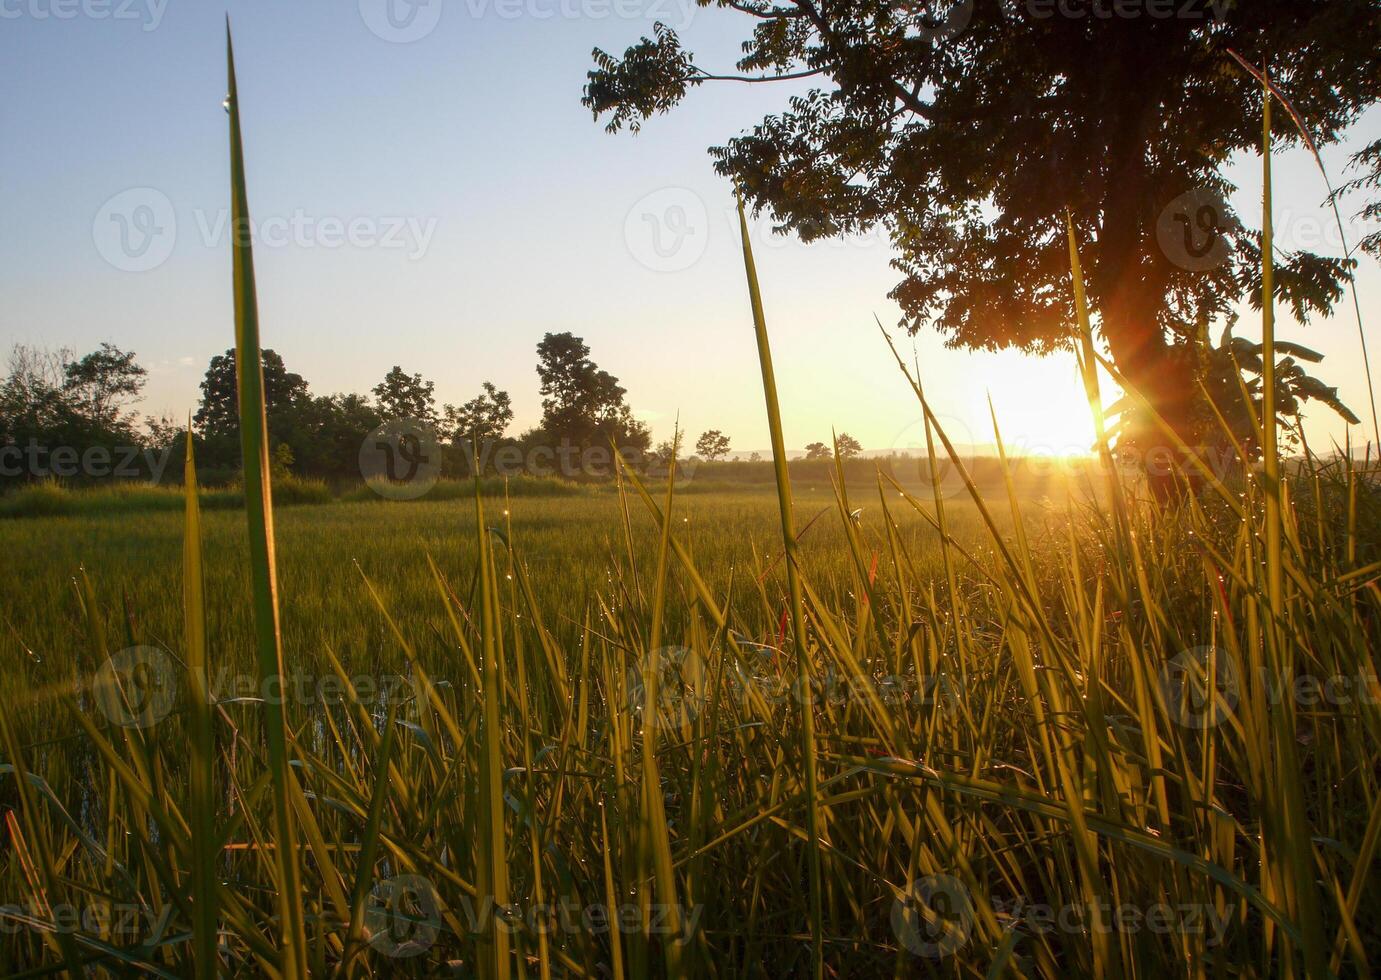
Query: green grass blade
{"x": 201, "y": 778}
{"x": 254, "y": 444}
{"x": 492, "y": 858}
{"x": 798, "y": 626}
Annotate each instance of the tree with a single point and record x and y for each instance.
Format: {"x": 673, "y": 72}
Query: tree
{"x": 404, "y": 396}
{"x": 484, "y": 418}
{"x": 968, "y": 138}
{"x": 330, "y": 431}
{"x": 31, "y": 397}
{"x": 51, "y": 402}
{"x": 217, "y": 421}
{"x": 712, "y": 445}
{"x": 219, "y": 413}
{"x": 103, "y": 382}
{"x": 817, "y": 450}
{"x": 847, "y": 446}
{"x": 580, "y": 402}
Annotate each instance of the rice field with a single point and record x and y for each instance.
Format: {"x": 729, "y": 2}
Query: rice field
{"x": 847, "y": 730}
{"x": 133, "y": 562}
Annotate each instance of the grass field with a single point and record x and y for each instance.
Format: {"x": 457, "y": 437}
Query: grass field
{"x": 133, "y": 563}
{"x": 967, "y": 731}
{"x": 995, "y": 774}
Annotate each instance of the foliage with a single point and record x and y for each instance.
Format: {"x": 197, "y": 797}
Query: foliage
{"x": 712, "y": 445}
{"x": 103, "y": 382}
{"x": 404, "y": 396}
{"x": 956, "y": 127}
{"x": 484, "y": 418}
{"x": 581, "y": 403}
{"x": 52, "y": 402}
{"x": 217, "y": 420}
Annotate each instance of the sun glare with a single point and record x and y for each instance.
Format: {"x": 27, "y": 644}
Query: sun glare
{"x": 1038, "y": 401}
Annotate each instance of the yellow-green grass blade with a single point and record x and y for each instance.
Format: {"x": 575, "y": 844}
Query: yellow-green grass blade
{"x": 798, "y": 625}
{"x": 655, "y": 825}
{"x": 369, "y": 846}
{"x": 201, "y": 778}
{"x": 1088, "y": 367}
{"x": 28, "y": 807}
{"x": 1296, "y": 837}
{"x": 492, "y": 856}
{"x": 254, "y": 445}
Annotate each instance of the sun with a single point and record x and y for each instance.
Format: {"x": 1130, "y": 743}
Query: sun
{"x": 1039, "y": 402}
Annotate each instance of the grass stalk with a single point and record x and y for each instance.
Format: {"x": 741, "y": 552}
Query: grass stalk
{"x": 805, "y": 691}
{"x": 254, "y": 444}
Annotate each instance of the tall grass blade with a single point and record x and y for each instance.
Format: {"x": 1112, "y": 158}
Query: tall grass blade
{"x": 492, "y": 856}
{"x": 254, "y": 445}
{"x": 202, "y": 777}
{"x": 804, "y": 693}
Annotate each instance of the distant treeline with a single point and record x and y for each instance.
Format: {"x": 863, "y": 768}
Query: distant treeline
{"x": 70, "y": 419}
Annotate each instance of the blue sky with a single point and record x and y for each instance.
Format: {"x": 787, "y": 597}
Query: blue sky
{"x": 442, "y": 202}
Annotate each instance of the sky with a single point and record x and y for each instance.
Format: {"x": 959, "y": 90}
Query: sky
{"x": 429, "y": 192}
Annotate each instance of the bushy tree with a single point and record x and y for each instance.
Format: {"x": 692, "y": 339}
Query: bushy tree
{"x": 967, "y": 130}
{"x": 712, "y": 445}
{"x": 484, "y": 418}
{"x": 103, "y": 383}
{"x": 847, "y": 446}
{"x": 817, "y": 450}
{"x": 406, "y": 396}
{"x": 581, "y": 403}
{"x": 53, "y": 401}
{"x": 330, "y": 431}
{"x": 217, "y": 421}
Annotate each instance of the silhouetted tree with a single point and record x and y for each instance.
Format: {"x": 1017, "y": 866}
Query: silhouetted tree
{"x": 817, "y": 450}
{"x": 217, "y": 421}
{"x": 406, "y": 396}
{"x": 55, "y": 409}
{"x": 331, "y": 430}
{"x": 712, "y": 445}
{"x": 103, "y": 382}
{"x": 847, "y": 446}
{"x": 582, "y": 403}
{"x": 966, "y": 130}
{"x": 484, "y": 418}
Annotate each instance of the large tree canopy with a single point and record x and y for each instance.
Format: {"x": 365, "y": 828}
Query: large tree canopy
{"x": 967, "y": 129}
